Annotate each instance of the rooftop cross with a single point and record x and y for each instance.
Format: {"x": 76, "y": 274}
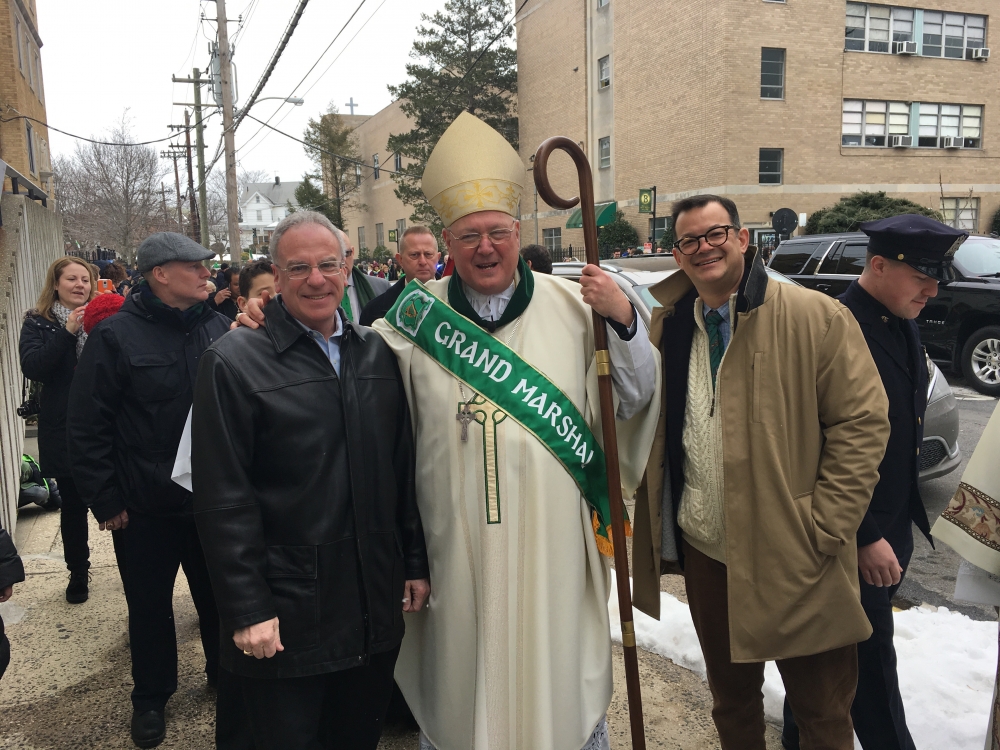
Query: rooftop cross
{"x": 352, "y": 104}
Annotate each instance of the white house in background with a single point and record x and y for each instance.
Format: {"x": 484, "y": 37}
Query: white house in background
{"x": 263, "y": 205}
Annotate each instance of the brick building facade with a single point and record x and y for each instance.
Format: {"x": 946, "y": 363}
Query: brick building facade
{"x": 775, "y": 104}
{"x": 23, "y": 143}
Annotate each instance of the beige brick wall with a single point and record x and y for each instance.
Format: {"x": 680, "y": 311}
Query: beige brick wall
{"x": 17, "y": 92}
{"x": 689, "y": 117}
{"x": 378, "y": 196}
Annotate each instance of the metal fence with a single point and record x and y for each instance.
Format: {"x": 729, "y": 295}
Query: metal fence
{"x": 30, "y": 239}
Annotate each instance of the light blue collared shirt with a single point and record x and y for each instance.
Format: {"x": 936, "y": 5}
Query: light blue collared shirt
{"x": 330, "y": 346}
{"x": 724, "y": 328}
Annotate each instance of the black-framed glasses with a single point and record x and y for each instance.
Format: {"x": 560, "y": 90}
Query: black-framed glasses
{"x": 328, "y": 267}
{"x": 715, "y": 237}
{"x": 472, "y": 239}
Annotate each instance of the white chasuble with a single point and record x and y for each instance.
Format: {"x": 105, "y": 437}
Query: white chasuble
{"x": 514, "y": 650}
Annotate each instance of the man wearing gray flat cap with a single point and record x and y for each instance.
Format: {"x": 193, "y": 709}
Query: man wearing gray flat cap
{"x": 128, "y": 403}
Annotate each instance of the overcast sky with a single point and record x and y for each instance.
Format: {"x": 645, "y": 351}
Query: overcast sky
{"x": 101, "y": 57}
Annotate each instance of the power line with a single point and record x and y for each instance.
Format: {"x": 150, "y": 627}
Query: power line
{"x": 306, "y": 92}
{"x": 90, "y": 140}
{"x": 289, "y": 30}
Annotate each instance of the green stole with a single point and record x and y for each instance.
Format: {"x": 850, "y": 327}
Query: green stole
{"x": 363, "y": 289}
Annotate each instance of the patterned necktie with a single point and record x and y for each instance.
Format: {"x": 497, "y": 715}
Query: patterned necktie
{"x": 715, "y": 347}
{"x": 346, "y": 304}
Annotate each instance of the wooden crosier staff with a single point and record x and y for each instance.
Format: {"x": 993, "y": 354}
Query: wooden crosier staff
{"x": 586, "y": 201}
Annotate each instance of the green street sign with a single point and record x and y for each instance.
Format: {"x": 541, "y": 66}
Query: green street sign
{"x": 392, "y": 235}
{"x": 645, "y": 200}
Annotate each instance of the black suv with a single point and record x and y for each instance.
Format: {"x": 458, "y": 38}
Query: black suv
{"x": 960, "y": 327}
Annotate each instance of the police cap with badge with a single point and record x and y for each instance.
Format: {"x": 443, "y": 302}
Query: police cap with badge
{"x": 923, "y": 243}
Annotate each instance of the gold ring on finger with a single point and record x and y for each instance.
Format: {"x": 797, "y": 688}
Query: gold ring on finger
{"x": 248, "y": 653}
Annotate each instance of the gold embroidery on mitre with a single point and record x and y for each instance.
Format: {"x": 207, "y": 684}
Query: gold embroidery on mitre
{"x": 477, "y": 195}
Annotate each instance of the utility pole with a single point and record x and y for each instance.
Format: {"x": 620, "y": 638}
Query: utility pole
{"x": 225, "y": 66}
{"x": 177, "y": 181}
{"x": 200, "y": 149}
{"x": 163, "y": 194}
{"x": 195, "y": 220}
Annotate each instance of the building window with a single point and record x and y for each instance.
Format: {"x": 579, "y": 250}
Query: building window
{"x": 38, "y": 78}
{"x": 661, "y": 225}
{"x": 602, "y": 3}
{"x": 375, "y": 167}
{"x": 772, "y": 73}
{"x": 31, "y": 68}
{"x": 362, "y": 245}
{"x": 940, "y": 121}
{"x": 260, "y": 215}
{"x": 604, "y": 72}
{"x": 866, "y": 123}
{"x": 604, "y": 152}
{"x": 552, "y": 238}
{"x": 961, "y": 213}
{"x": 17, "y": 40}
{"x": 397, "y": 162}
{"x": 874, "y": 27}
{"x": 952, "y": 34}
{"x": 770, "y": 166}
{"x": 379, "y": 236}
{"x": 30, "y": 134}
{"x": 400, "y": 228}
{"x": 357, "y": 180}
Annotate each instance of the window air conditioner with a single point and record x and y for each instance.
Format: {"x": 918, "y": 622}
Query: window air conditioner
{"x": 981, "y": 53}
{"x": 904, "y": 48}
{"x": 901, "y": 141}
{"x": 951, "y": 142}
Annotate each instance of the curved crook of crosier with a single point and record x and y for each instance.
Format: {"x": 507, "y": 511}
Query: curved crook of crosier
{"x": 586, "y": 197}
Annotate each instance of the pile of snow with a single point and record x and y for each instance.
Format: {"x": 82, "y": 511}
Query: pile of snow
{"x": 947, "y": 666}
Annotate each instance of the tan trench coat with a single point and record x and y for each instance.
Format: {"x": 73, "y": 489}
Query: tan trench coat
{"x": 805, "y": 424}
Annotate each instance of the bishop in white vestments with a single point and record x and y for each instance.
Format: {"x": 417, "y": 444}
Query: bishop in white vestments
{"x": 498, "y": 363}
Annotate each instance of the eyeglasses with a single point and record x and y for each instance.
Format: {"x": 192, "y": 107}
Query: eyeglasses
{"x": 330, "y": 267}
{"x": 472, "y": 239}
{"x": 715, "y": 237}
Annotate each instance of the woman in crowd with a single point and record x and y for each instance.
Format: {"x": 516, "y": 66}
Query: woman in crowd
{"x": 52, "y": 338}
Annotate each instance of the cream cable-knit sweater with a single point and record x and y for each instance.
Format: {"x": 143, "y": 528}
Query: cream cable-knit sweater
{"x": 701, "y": 514}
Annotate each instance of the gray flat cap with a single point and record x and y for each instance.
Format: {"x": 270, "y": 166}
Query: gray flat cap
{"x": 164, "y": 247}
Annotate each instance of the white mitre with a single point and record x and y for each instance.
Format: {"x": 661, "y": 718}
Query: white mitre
{"x": 472, "y": 168}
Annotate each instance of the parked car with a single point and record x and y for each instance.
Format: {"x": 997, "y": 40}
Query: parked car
{"x": 939, "y": 452}
{"x": 960, "y": 328}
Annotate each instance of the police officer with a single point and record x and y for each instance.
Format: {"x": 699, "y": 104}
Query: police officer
{"x": 908, "y": 256}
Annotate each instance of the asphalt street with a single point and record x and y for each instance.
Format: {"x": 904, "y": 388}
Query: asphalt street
{"x": 930, "y": 578}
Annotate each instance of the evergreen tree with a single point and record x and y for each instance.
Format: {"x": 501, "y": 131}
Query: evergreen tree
{"x": 995, "y": 223}
{"x": 619, "y": 234}
{"x": 311, "y": 198}
{"x": 847, "y": 215}
{"x": 449, "y": 47}
{"x": 324, "y": 137}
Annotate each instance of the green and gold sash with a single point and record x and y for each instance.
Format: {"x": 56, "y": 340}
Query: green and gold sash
{"x": 497, "y": 373}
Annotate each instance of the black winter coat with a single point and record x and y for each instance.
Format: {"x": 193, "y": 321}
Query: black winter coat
{"x": 896, "y": 498}
{"x": 11, "y": 572}
{"x": 313, "y": 518}
{"x": 48, "y": 356}
{"x": 129, "y": 402}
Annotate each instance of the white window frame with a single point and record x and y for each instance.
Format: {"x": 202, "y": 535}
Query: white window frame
{"x": 397, "y": 162}
{"x": 30, "y": 136}
{"x": 602, "y": 3}
{"x": 357, "y": 180}
{"x": 18, "y": 26}
{"x": 260, "y": 216}
{"x": 375, "y": 165}
{"x": 604, "y": 152}
{"x": 38, "y": 76}
{"x": 930, "y": 20}
{"x": 552, "y": 238}
{"x": 898, "y": 28}
{"x": 781, "y": 86}
{"x": 362, "y": 244}
{"x": 961, "y": 212}
{"x": 969, "y": 118}
{"x": 867, "y": 117}
{"x": 400, "y": 228}
{"x": 379, "y": 235}
{"x": 604, "y": 72}
{"x": 781, "y": 166}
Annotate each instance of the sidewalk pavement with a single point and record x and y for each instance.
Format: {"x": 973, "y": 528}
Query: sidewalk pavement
{"x": 69, "y": 681}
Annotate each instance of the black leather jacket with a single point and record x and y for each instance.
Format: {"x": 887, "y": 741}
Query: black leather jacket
{"x": 128, "y": 404}
{"x": 304, "y": 494}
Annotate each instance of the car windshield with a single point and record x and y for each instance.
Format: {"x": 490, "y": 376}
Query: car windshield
{"x": 979, "y": 257}
{"x": 643, "y": 291}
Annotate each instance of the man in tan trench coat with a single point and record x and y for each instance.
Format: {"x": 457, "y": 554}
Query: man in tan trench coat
{"x": 772, "y": 427}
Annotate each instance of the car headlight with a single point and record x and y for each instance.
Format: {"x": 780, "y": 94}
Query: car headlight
{"x": 938, "y": 386}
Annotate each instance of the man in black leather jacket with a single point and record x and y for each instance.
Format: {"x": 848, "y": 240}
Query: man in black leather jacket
{"x": 303, "y": 475}
{"x": 127, "y": 408}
